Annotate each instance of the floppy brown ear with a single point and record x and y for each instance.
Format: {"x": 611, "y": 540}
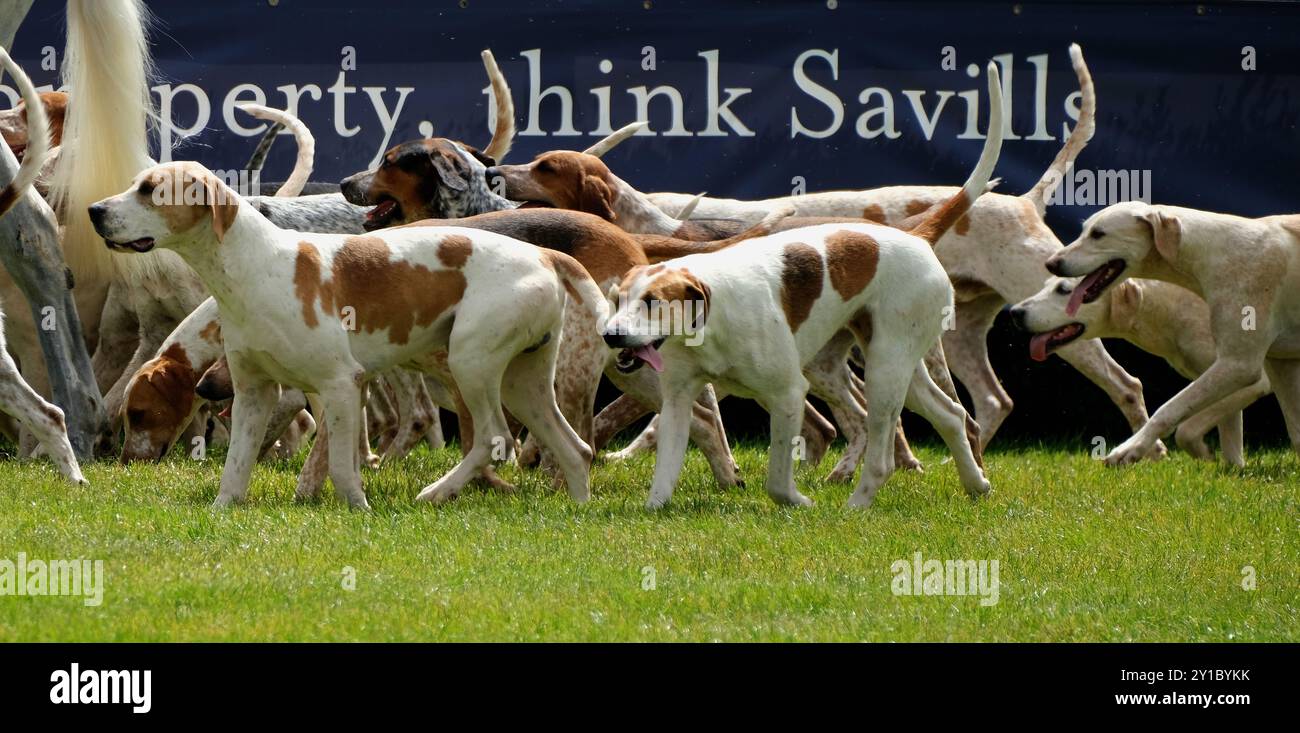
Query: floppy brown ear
{"x": 449, "y": 171}
{"x": 596, "y": 198}
{"x": 223, "y": 204}
{"x": 698, "y": 292}
{"x": 1125, "y": 301}
{"x": 164, "y": 386}
{"x": 1167, "y": 233}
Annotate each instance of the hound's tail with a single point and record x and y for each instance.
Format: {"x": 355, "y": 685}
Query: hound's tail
{"x": 1075, "y": 143}
{"x": 258, "y": 159}
{"x": 659, "y": 248}
{"x": 583, "y": 291}
{"x": 38, "y": 137}
{"x": 302, "y": 167}
{"x": 503, "y": 134}
{"x": 611, "y": 141}
{"x": 105, "y": 138}
{"x": 937, "y": 224}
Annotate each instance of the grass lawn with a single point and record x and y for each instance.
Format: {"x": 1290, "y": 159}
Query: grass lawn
{"x": 1085, "y": 553}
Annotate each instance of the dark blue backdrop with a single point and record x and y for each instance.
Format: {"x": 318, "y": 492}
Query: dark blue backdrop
{"x": 1173, "y": 97}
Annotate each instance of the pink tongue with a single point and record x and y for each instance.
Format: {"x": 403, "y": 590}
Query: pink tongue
{"x": 1076, "y": 297}
{"x": 381, "y": 209}
{"x": 649, "y": 355}
{"x": 1038, "y": 346}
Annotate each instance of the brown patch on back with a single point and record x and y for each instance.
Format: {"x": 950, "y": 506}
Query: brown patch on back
{"x": 915, "y": 207}
{"x": 386, "y": 294}
{"x": 851, "y": 258}
{"x": 801, "y": 282}
{"x": 874, "y": 213}
{"x": 604, "y": 250}
{"x": 211, "y": 332}
{"x": 454, "y": 251}
{"x": 963, "y": 224}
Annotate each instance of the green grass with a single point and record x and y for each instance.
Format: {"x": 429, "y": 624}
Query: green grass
{"x": 1151, "y": 553}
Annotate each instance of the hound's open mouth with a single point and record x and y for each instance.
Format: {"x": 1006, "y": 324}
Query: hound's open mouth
{"x": 136, "y": 245}
{"x": 1045, "y": 343}
{"x": 629, "y": 360}
{"x": 384, "y": 213}
{"x": 1093, "y": 285}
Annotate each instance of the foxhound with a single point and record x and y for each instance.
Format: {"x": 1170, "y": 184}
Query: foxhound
{"x": 747, "y": 318}
{"x": 162, "y": 399}
{"x": 325, "y": 313}
{"x": 992, "y": 255}
{"x": 1157, "y": 317}
{"x": 1246, "y": 270}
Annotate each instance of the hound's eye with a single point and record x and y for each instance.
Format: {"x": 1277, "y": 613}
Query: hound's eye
{"x": 1063, "y": 288}
{"x": 545, "y": 167}
{"x": 146, "y": 188}
{"x": 1097, "y": 234}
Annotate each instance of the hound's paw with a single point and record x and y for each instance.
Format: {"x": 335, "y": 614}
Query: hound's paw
{"x": 1158, "y": 451}
{"x": 75, "y": 478}
{"x": 435, "y": 494}
{"x": 841, "y": 474}
{"x": 795, "y": 499}
{"x": 1129, "y": 452}
{"x": 373, "y": 461}
{"x": 982, "y": 488}
{"x": 655, "y": 503}
{"x": 223, "y": 501}
{"x": 861, "y": 499}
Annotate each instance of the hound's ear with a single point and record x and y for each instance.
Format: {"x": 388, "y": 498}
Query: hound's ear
{"x": 224, "y": 206}
{"x": 1125, "y": 301}
{"x": 698, "y": 293}
{"x": 449, "y": 170}
{"x": 216, "y": 383}
{"x": 1166, "y": 231}
{"x": 596, "y": 198}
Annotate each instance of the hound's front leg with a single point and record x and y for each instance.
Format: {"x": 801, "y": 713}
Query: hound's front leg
{"x": 254, "y": 401}
{"x": 1222, "y": 379}
{"x": 674, "y": 432}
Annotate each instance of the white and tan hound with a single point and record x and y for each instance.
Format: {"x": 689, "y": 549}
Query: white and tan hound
{"x": 325, "y": 313}
{"x": 747, "y": 319}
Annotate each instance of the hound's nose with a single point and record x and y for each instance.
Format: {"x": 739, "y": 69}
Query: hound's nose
{"x": 97, "y": 213}
{"x": 615, "y": 340}
{"x": 353, "y": 191}
{"x": 1055, "y": 266}
{"x": 1018, "y": 316}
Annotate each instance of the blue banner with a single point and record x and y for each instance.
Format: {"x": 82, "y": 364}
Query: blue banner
{"x": 1197, "y": 105}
